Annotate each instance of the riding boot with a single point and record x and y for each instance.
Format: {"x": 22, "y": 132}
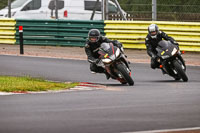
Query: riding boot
{"x": 107, "y": 75}
{"x": 163, "y": 71}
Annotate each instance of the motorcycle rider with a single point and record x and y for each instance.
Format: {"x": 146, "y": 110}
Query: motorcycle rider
{"x": 153, "y": 37}
{"x": 93, "y": 42}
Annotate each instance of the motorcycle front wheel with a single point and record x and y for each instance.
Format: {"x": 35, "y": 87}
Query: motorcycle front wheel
{"x": 125, "y": 74}
{"x": 180, "y": 71}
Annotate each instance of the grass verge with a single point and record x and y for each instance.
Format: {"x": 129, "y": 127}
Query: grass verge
{"x": 25, "y": 84}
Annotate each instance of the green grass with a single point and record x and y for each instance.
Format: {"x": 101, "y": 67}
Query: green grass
{"x": 25, "y": 84}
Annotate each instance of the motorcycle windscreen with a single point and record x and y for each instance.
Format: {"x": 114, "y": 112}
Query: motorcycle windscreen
{"x": 165, "y": 45}
{"x": 165, "y": 48}
{"x": 107, "y": 49}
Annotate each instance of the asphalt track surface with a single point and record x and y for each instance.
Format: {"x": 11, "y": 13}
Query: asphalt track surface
{"x": 155, "y": 102}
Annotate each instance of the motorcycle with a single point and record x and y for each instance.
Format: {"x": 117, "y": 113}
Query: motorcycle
{"x": 171, "y": 61}
{"x": 113, "y": 60}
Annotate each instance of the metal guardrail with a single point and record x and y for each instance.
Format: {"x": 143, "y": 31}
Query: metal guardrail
{"x": 57, "y": 32}
{"x": 74, "y": 32}
{"x": 132, "y": 33}
{"x": 7, "y": 31}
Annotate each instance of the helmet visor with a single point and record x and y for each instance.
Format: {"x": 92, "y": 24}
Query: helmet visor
{"x": 153, "y": 33}
{"x": 93, "y": 39}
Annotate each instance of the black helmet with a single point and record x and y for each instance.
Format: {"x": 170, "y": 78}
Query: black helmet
{"x": 94, "y": 35}
{"x": 153, "y": 30}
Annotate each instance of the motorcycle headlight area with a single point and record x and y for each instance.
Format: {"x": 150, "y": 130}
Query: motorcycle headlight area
{"x": 165, "y": 56}
{"x": 107, "y": 60}
{"x": 174, "y": 51}
{"x": 117, "y": 52}
{"x": 112, "y": 57}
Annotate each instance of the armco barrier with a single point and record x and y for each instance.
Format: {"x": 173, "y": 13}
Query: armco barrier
{"x": 7, "y": 31}
{"x": 74, "y": 32}
{"x": 57, "y": 32}
{"x": 132, "y": 33}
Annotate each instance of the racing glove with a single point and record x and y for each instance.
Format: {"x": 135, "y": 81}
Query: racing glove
{"x": 175, "y": 43}
{"x": 154, "y": 57}
{"x": 96, "y": 61}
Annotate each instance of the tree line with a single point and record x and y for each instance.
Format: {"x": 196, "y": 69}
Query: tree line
{"x": 186, "y": 6}
{"x": 4, "y": 3}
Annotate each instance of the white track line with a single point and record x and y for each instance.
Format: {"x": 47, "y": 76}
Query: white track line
{"x": 167, "y": 130}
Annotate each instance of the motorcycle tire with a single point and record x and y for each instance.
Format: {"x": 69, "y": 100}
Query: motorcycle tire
{"x": 180, "y": 71}
{"x": 125, "y": 74}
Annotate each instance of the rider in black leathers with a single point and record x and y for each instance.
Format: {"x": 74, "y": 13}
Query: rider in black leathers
{"x": 152, "y": 39}
{"x": 93, "y": 42}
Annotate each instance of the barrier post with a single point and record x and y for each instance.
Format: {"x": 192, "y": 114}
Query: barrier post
{"x": 21, "y": 39}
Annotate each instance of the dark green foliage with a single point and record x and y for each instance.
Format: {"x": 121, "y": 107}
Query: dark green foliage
{"x": 180, "y": 6}
{"x": 135, "y": 5}
{"x": 4, "y": 3}
{"x": 191, "y": 6}
{"x": 170, "y": 10}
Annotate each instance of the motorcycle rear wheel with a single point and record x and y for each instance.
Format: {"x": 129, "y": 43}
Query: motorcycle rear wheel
{"x": 180, "y": 71}
{"x": 125, "y": 74}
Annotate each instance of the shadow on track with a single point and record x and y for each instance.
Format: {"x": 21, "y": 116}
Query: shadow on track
{"x": 167, "y": 81}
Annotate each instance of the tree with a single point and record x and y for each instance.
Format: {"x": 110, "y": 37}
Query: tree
{"x": 4, "y": 3}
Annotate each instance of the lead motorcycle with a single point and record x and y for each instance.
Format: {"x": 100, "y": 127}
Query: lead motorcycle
{"x": 113, "y": 60}
{"x": 171, "y": 60}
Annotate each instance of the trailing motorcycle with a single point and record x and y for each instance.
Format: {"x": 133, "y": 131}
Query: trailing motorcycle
{"x": 171, "y": 61}
{"x": 113, "y": 60}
